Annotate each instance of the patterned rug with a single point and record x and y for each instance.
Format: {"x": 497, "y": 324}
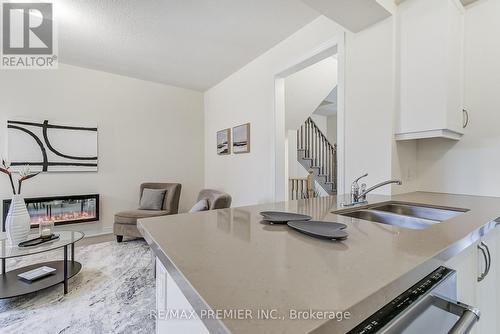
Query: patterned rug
{"x": 114, "y": 293}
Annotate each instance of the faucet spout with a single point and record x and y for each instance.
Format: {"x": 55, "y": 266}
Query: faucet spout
{"x": 358, "y": 194}
{"x": 362, "y": 195}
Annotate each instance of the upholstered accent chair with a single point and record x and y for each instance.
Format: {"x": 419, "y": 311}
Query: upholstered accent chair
{"x": 215, "y": 199}
{"x": 125, "y": 223}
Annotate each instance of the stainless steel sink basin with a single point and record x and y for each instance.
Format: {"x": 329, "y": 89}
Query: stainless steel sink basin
{"x": 420, "y": 211}
{"x": 391, "y": 219}
{"x": 406, "y": 215}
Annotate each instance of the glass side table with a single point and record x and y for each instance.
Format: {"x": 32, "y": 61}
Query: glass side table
{"x": 12, "y": 286}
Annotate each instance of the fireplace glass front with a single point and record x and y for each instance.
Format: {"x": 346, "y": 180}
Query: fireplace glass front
{"x": 60, "y": 209}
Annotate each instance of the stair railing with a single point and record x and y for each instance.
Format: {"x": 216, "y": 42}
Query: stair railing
{"x": 317, "y": 148}
{"x": 302, "y": 187}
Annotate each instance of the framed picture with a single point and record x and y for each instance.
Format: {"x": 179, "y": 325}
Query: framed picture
{"x": 224, "y": 142}
{"x": 241, "y": 138}
{"x": 52, "y": 147}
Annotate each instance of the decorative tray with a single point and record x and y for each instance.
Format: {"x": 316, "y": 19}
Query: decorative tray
{"x": 276, "y": 217}
{"x": 38, "y": 241}
{"x": 321, "y": 229}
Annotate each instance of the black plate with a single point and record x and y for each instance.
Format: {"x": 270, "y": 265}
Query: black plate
{"x": 277, "y": 217}
{"x": 320, "y": 229}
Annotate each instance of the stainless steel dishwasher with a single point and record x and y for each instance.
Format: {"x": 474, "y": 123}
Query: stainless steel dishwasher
{"x": 430, "y": 306}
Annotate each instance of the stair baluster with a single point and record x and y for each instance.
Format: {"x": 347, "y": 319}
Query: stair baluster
{"x": 335, "y": 164}
{"x": 315, "y": 150}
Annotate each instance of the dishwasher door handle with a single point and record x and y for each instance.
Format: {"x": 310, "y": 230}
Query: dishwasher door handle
{"x": 465, "y": 323}
{"x": 469, "y": 315}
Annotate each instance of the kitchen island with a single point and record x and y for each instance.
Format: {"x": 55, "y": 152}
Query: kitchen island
{"x": 238, "y": 274}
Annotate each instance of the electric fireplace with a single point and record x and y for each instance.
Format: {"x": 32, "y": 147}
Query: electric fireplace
{"x": 59, "y": 209}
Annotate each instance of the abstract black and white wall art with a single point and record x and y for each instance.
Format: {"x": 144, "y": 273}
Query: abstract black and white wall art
{"x": 48, "y": 147}
{"x": 224, "y": 142}
{"x": 241, "y": 138}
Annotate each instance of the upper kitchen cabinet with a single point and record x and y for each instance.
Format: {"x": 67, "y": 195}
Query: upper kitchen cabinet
{"x": 430, "y": 42}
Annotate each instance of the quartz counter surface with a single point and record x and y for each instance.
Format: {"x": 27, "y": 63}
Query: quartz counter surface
{"x": 230, "y": 260}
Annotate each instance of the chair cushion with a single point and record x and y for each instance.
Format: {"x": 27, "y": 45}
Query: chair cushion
{"x": 130, "y": 217}
{"x": 152, "y": 199}
{"x": 201, "y": 205}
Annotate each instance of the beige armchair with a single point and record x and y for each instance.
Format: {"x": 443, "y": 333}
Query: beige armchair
{"x": 215, "y": 199}
{"x": 125, "y": 223}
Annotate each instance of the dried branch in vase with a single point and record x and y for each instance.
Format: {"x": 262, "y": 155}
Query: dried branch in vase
{"x": 6, "y": 170}
{"x": 24, "y": 175}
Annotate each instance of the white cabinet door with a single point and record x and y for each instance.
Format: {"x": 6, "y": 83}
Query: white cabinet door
{"x": 430, "y": 43}
{"x": 487, "y": 290}
{"x": 465, "y": 264}
{"x": 173, "y": 307}
{"x": 161, "y": 295}
{"x": 484, "y": 294}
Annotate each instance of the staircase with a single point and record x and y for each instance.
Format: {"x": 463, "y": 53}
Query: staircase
{"x": 316, "y": 153}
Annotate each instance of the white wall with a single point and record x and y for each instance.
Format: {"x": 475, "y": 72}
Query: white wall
{"x": 331, "y": 128}
{"x": 248, "y": 96}
{"x": 404, "y": 166}
{"x": 147, "y": 132}
{"x": 471, "y": 165}
{"x": 321, "y": 122}
{"x": 294, "y": 168}
{"x": 306, "y": 89}
{"x": 369, "y": 106}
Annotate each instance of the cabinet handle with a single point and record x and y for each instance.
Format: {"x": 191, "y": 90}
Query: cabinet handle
{"x": 466, "y": 118}
{"x": 485, "y": 256}
{"x": 488, "y": 267}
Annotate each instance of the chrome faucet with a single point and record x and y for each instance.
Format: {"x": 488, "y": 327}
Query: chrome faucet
{"x": 358, "y": 193}
{"x": 355, "y": 188}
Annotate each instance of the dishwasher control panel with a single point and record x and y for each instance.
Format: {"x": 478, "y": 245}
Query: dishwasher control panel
{"x": 398, "y": 305}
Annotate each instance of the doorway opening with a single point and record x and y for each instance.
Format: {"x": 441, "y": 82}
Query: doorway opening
{"x": 309, "y": 119}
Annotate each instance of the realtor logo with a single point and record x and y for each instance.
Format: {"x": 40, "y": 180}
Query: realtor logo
{"x": 28, "y": 36}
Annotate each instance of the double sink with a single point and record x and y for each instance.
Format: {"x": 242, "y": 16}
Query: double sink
{"x": 402, "y": 214}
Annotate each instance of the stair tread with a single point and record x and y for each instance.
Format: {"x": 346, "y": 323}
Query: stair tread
{"x": 329, "y": 182}
{"x": 315, "y": 167}
{"x": 301, "y": 149}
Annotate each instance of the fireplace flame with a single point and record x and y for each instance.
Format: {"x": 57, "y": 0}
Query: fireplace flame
{"x": 62, "y": 217}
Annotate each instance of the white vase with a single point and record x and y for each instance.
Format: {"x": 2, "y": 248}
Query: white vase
{"x": 18, "y": 221}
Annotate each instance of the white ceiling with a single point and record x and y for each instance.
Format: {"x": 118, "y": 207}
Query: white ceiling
{"x": 329, "y": 105}
{"x": 187, "y": 43}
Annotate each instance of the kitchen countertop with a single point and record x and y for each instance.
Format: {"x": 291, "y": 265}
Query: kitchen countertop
{"x": 228, "y": 259}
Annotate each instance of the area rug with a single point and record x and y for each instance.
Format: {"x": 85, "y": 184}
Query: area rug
{"x": 114, "y": 293}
